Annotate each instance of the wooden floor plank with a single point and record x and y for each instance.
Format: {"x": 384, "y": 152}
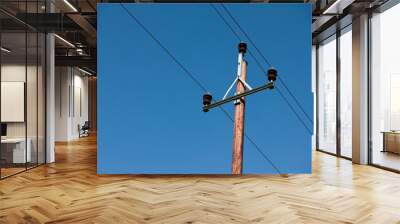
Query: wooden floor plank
{"x": 70, "y": 191}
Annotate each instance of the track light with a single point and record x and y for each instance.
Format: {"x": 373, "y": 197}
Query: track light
{"x": 337, "y": 7}
{"x": 70, "y": 5}
{"x": 84, "y": 71}
{"x": 64, "y": 40}
{"x": 79, "y": 51}
{"x": 5, "y": 50}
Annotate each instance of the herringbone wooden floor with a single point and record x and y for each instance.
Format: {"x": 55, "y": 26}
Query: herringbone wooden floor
{"x": 69, "y": 191}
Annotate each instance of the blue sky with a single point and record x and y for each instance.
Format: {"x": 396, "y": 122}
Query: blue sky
{"x": 150, "y": 117}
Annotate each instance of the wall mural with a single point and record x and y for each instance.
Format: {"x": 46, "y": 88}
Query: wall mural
{"x": 168, "y": 79}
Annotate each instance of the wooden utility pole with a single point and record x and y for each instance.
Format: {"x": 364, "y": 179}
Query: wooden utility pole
{"x": 238, "y": 129}
{"x": 240, "y": 104}
{"x": 242, "y": 89}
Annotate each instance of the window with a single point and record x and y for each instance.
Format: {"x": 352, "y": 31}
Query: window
{"x": 346, "y": 92}
{"x": 327, "y": 95}
{"x": 22, "y": 88}
{"x": 385, "y": 89}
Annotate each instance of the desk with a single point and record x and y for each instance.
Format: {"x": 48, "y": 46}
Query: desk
{"x": 391, "y": 141}
{"x": 16, "y": 153}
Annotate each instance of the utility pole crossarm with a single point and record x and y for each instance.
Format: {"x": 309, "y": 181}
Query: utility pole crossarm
{"x": 269, "y": 85}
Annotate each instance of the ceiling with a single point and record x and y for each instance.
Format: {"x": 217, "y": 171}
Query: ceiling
{"x": 75, "y": 21}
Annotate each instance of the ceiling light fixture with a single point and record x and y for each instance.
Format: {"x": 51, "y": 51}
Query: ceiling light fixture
{"x": 70, "y": 5}
{"x": 79, "y": 51}
{"x": 5, "y": 50}
{"x": 84, "y": 71}
{"x": 65, "y": 41}
{"x": 337, "y": 7}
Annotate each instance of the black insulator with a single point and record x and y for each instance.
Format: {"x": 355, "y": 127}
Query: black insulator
{"x": 242, "y": 47}
{"x": 207, "y": 99}
{"x": 272, "y": 74}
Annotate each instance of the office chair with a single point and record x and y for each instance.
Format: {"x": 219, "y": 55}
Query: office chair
{"x": 84, "y": 130}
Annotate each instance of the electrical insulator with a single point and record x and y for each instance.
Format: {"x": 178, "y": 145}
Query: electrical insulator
{"x": 207, "y": 99}
{"x": 272, "y": 74}
{"x": 242, "y": 47}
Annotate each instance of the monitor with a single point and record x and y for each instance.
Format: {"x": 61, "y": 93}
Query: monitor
{"x": 3, "y": 129}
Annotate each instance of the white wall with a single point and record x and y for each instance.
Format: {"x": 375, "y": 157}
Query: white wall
{"x": 62, "y": 81}
{"x": 33, "y": 127}
{"x": 17, "y": 73}
{"x": 79, "y": 110}
{"x": 9, "y": 73}
{"x": 71, "y": 102}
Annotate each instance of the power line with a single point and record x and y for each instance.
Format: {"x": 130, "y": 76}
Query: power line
{"x": 165, "y": 49}
{"x": 284, "y": 98}
{"x": 199, "y": 84}
{"x": 260, "y": 66}
{"x": 245, "y": 33}
{"x": 252, "y": 142}
{"x": 237, "y": 36}
{"x": 295, "y": 99}
{"x": 265, "y": 59}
